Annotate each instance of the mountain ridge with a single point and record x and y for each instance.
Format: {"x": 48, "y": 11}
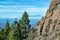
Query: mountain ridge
{"x": 49, "y": 26}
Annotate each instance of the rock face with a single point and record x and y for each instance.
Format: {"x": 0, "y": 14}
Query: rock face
{"x": 49, "y": 26}
{"x": 52, "y": 3}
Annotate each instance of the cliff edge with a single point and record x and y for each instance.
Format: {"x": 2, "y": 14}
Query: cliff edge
{"x": 49, "y": 26}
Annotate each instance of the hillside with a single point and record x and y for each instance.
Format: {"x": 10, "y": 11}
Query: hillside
{"x": 49, "y": 26}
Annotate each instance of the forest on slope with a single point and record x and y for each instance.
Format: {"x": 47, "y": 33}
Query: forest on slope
{"x": 18, "y": 30}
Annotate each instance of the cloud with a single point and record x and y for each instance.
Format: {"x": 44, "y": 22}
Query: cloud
{"x": 24, "y": 2}
{"x": 8, "y": 17}
{"x": 34, "y": 17}
{"x": 35, "y": 8}
{"x": 34, "y": 12}
{"x": 22, "y": 9}
{"x": 21, "y": 6}
{"x": 25, "y": 9}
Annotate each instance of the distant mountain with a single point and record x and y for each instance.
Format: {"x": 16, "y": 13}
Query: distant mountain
{"x": 3, "y": 21}
{"x": 11, "y": 20}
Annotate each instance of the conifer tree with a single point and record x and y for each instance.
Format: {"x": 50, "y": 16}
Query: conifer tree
{"x": 2, "y": 34}
{"x": 15, "y": 23}
{"x": 21, "y": 28}
{"x": 11, "y": 35}
{"x": 15, "y": 34}
{"x": 6, "y": 30}
{"x": 18, "y": 32}
{"x": 25, "y": 20}
{"x": 12, "y": 27}
{"x": 6, "y": 27}
{"x": 25, "y": 24}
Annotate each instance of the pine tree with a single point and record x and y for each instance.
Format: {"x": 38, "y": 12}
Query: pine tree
{"x": 11, "y": 35}
{"x": 6, "y": 30}
{"x": 21, "y": 28}
{"x": 25, "y": 20}
{"x": 18, "y": 32}
{"x": 12, "y": 27}
{"x": 15, "y": 34}
{"x": 25, "y": 24}
{"x": 2, "y": 34}
{"x": 15, "y": 23}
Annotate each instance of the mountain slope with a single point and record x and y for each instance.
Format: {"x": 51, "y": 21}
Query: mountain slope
{"x": 49, "y": 26}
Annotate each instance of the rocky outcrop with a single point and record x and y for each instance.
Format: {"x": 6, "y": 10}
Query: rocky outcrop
{"x": 49, "y": 26}
{"x": 52, "y": 4}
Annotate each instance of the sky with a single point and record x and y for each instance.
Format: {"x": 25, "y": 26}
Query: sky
{"x": 36, "y": 9}
{"x": 15, "y": 8}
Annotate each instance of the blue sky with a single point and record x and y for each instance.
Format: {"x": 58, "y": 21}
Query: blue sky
{"x": 15, "y": 8}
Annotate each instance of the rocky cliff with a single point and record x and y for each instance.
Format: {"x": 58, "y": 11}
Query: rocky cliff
{"x": 49, "y": 26}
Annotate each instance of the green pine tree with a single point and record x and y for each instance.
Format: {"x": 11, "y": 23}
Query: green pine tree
{"x": 11, "y": 35}
{"x": 21, "y": 28}
{"x": 6, "y": 30}
{"x": 2, "y": 34}
{"x": 15, "y": 21}
{"x": 12, "y": 27}
{"x": 25, "y": 20}
{"x": 15, "y": 31}
{"x": 18, "y": 32}
{"x": 25, "y": 24}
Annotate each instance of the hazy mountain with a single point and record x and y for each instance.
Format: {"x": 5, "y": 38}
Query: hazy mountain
{"x": 11, "y": 20}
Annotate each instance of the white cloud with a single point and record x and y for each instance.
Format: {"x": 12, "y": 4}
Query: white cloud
{"x": 34, "y": 17}
{"x": 35, "y": 8}
{"x": 29, "y": 9}
{"x": 33, "y": 11}
{"x": 8, "y": 17}
{"x": 22, "y": 8}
